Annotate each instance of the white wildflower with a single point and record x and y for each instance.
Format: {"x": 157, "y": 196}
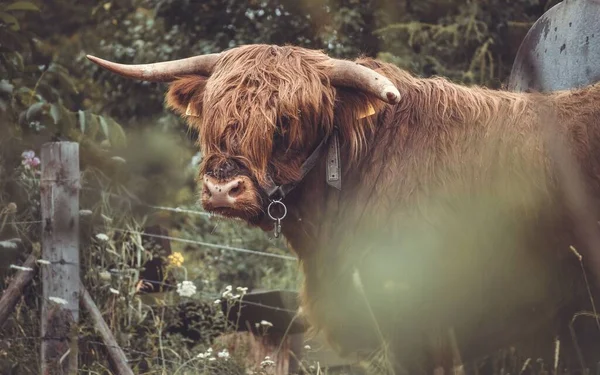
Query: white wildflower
{"x": 217, "y": 301}
{"x": 242, "y": 290}
{"x": 223, "y": 354}
{"x": 227, "y": 293}
{"x": 307, "y": 347}
{"x": 20, "y": 268}
{"x": 186, "y": 288}
{"x": 85, "y": 212}
{"x": 43, "y": 261}
{"x": 264, "y": 323}
{"x": 102, "y": 237}
{"x": 206, "y": 355}
{"x": 267, "y": 362}
{"x": 114, "y": 291}
{"x": 104, "y": 275}
{"x": 58, "y": 300}
{"x": 8, "y": 244}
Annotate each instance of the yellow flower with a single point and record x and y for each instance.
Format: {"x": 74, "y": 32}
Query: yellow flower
{"x": 176, "y": 259}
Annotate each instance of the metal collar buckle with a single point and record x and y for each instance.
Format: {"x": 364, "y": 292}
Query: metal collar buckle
{"x": 277, "y": 220}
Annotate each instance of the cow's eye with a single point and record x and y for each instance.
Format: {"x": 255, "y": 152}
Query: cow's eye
{"x": 278, "y": 139}
{"x": 283, "y": 123}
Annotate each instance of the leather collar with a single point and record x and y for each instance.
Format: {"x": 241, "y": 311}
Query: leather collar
{"x": 334, "y": 176}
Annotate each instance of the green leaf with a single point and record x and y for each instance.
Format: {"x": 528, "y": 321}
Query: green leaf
{"x": 63, "y": 76}
{"x": 104, "y": 126}
{"x": 10, "y": 20}
{"x": 68, "y": 83}
{"x": 55, "y": 113}
{"x": 34, "y": 110}
{"x": 6, "y": 87}
{"x": 68, "y": 119}
{"x": 92, "y": 128}
{"x": 23, "y": 94}
{"x": 117, "y": 138}
{"x": 81, "y": 116}
{"x": 23, "y": 5}
{"x": 16, "y": 59}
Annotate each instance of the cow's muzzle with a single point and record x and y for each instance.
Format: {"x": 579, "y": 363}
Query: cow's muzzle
{"x": 232, "y": 197}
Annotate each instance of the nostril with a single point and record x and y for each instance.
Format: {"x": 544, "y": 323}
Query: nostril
{"x": 236, "y": 190}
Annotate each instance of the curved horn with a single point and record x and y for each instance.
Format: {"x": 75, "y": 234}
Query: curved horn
{"x": 351, "y": 74}
{"x": 162, "y": 71}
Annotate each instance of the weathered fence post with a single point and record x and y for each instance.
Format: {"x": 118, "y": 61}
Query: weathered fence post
{"x": 11, "y": 295}
{"x": 60, "y": 246}
{"x": 115, "y": 352}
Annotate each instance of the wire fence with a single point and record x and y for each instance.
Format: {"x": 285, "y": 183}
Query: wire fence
{"x": 201, "y": 297}
{"x": 207, "y": 244}
{"x": 171, "y": 238}
{"x": 185, "y": 240}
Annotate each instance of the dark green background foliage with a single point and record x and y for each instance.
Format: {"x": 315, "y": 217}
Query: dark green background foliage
{"x": 49, "y": 91}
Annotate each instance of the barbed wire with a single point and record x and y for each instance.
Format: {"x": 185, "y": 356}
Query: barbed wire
{"x": 194, "y": 242}
{"x": 177, "y": 239}
{"x": 25, "y": 222}
{"x": 136, "y": 201}
{"x": 181, "y": 210}
{"x": 206, "y": 244}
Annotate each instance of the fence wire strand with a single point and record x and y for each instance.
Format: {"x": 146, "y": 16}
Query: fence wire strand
{"x": 177, "y": 239}
{"x": 206, "y": 244}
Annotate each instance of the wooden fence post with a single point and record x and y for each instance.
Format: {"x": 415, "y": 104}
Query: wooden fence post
{"x": 115, "y": 352}
{"x": 59, "y": 187}
{"x": 11, "y": 295}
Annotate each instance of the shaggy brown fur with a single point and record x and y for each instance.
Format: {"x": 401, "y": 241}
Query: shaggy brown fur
{"x": 451, "y": 215}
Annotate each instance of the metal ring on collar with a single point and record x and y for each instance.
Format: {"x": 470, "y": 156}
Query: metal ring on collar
{"x": 280, "y": 203}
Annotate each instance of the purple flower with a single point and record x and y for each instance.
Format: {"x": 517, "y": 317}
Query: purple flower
{"x": 29, "y": 159}
{"x": 29, "y": 154}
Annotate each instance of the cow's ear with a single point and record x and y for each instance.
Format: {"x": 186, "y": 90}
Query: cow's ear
{"x": 354, "y": 105}
{"x": 359, "y": 104}
{"x": 185, "y": 95}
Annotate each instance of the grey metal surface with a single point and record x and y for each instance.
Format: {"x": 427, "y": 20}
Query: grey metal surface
{"x": 561, "y": 50}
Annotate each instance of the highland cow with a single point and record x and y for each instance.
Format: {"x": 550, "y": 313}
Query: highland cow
{"x": 448, "y": 229}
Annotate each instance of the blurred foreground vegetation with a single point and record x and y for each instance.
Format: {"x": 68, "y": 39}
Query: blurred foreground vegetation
{"x": 135, "y": 155}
